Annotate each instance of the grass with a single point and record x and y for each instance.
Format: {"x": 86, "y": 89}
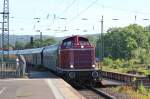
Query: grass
{"x": 122, "y": 70}
{"x": 139, "y": 69}
{"x": 134, "y": 94}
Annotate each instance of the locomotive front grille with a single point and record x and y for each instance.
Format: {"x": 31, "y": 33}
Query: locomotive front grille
{"x": 83, "y": 58}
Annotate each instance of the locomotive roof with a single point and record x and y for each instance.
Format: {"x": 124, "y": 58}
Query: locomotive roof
{"x": 72, "y": 38}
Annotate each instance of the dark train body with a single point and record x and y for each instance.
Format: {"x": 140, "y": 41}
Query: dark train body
{"x": 73, "y": 59}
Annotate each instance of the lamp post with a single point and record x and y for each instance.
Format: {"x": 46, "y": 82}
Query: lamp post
{"x": 101, "y": 44}
{"x": 102, "y": 40}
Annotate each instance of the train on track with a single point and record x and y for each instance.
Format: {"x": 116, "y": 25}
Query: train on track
{"x": 72, "y": 59}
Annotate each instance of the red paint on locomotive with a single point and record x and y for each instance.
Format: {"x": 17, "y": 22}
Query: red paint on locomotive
{"x": 77, "y": 52}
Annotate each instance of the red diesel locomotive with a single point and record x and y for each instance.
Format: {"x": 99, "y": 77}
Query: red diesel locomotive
{"x": 77, "y": 59}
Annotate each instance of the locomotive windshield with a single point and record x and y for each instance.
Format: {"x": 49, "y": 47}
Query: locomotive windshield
{"x": 82, "y": 42}
{"x": 75, "y": 41}
{"x": 67, "y": 44}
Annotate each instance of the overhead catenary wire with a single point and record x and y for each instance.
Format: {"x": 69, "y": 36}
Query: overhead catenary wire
{"x": 68, "y": 7}
{"x": 64, "y": 11}
{"x": 81, "y": 12}
{"x": 125, "y": 10}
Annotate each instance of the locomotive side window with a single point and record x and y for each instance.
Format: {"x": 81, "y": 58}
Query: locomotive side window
{"x": 67, "y": 44}
{"x": 64, "y": 44}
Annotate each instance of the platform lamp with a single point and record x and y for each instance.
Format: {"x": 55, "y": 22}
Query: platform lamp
{"x": 101, "y": 44}
{"x": 102, "y": 31}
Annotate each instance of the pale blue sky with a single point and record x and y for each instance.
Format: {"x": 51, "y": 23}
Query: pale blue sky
{"x": 24, "y": 12}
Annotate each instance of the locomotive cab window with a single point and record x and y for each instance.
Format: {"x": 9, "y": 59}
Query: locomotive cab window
{"x": 67, "y": 44}
{"x": 83, "y": 41}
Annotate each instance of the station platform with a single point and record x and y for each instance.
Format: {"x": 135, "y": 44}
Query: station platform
{"x": 51, "y": 87}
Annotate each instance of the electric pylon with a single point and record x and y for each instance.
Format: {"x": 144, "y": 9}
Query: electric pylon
{"x": 5, "y": 31}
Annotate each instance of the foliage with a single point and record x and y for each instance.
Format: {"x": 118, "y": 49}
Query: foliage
{"x": 19, "y": 45}
{"x": 142, "y": 89}
{"x": 126, "y": 48}
{"x": 141, "y": 93}
{"x": 92, "y": 39}
{"x": 108, "y": 61}
{"x": 120, "y": 42}
{"x": 40, "y": 43}
{"x": 118, "y": 63}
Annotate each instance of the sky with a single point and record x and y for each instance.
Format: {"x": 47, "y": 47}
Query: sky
{"x": 73, "y": 17}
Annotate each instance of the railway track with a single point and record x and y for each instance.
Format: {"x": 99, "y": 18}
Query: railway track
{"x": 91, "y": 92}
{"x": 102, "y": 93}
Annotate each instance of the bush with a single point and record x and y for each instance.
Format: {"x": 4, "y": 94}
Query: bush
{"x": 142, "y": 89}
{"x": 118, "y": 63}
{"x": 108, "y": 61}
{"x": 130, "y": 63}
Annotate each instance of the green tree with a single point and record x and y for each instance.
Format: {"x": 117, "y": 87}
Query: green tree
{"x": 19, "y": 45}
{"x": 120, "y": 42}
{"x": 92, "y": 39}
{"x": 41, "y": 43}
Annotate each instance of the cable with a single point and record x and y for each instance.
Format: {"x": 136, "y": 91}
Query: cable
{"x": 68, "y": 7}
{"x": 65, "y": 10}
{"x": 83, "y": 11}
{"x": 123, "y": 9}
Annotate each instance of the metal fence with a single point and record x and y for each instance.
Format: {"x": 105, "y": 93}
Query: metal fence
{"x": 11, "y": 69}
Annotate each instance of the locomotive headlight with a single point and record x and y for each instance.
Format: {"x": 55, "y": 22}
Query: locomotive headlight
{"x": 82, "y": 46}
{"x": 93, "y": 66}
{"x": 71, "y": 66}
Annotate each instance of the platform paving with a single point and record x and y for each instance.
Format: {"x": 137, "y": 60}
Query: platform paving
{"x": 37, "y": 87}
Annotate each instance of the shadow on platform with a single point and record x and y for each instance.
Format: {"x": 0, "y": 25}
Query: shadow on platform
{"x": 34, "y": 73}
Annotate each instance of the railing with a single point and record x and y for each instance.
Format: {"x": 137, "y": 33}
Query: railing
{"x": 12, "y": 69}
{"x": 137, "y": 80}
